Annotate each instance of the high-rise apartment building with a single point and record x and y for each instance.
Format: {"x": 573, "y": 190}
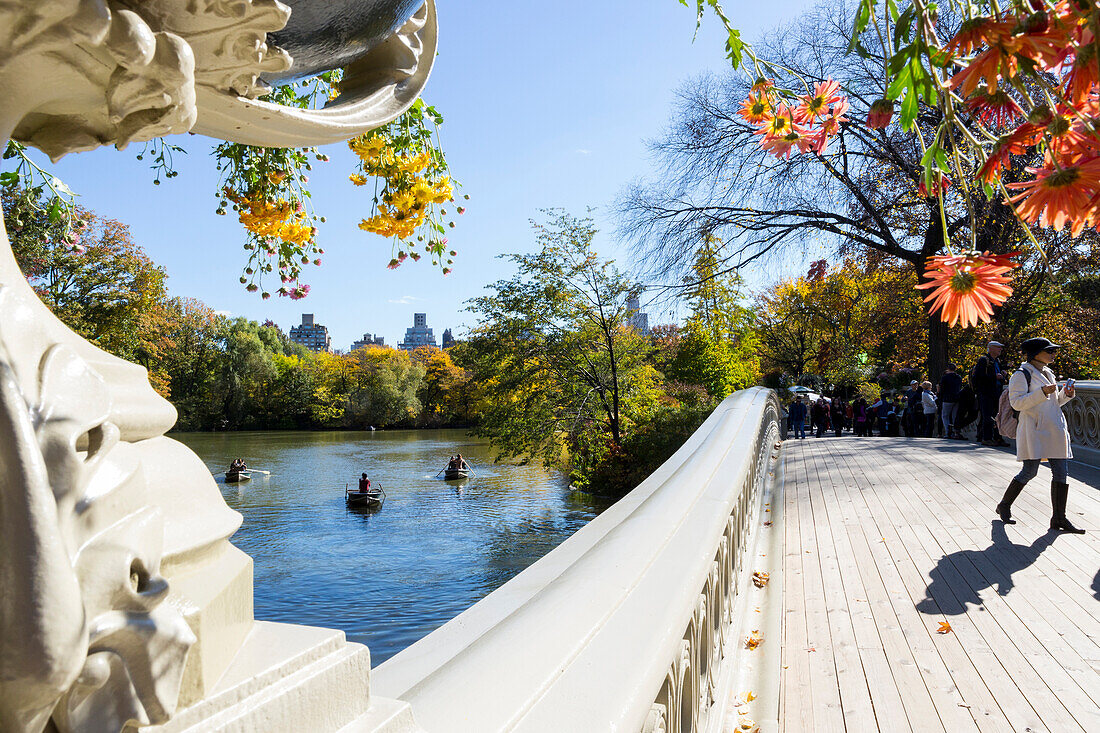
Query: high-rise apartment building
{"x": 311, "y": 335}
{"x": 419, "y": 334}
{"x": 368, "y": 340}
{"x": 635, "y": 318}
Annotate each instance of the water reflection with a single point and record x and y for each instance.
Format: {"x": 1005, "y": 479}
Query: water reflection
{"x": 388, "y": 576}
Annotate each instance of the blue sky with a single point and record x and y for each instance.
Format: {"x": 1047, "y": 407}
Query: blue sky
{"x": 547, "y": 105}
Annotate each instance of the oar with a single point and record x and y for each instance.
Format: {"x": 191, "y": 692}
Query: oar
{"x": 256, "y": 470}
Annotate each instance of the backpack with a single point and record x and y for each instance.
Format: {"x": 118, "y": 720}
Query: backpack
{"x": 1008, "y": 419}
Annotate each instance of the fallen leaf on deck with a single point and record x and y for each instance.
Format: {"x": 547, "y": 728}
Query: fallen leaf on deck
{"x": 768, "y": 523}
{"x": 945, "y": 628}
{"x": 759, "y": 579}
{"x": 753, "y": 640}
{"x": 747, "y": 725}
{"x": 749, "y": 697}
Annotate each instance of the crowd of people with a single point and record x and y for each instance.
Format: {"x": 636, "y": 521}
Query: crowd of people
{"x": 1030, "y": 412}
{"x": 923, "y": 410}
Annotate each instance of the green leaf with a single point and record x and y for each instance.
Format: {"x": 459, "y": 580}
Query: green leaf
{"x": 909, "y": 109}
{"x": 735, "y": 48}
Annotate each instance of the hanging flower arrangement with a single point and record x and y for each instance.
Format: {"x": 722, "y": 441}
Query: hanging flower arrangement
{"x": 412, "y": 186}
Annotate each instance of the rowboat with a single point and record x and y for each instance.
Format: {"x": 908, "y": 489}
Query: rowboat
{"x": 453, "y": 474}
{"x": 237, "y": 477}
{"x": 371, "y": 499}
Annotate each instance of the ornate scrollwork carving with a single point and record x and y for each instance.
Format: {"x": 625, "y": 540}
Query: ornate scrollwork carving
{"x": 84, "y": 634}
{"x": 656, "y": 721}
{"x": 113, "y": 78}
{"x": 1083, "y": 417}
{"x": 693, "y": 683}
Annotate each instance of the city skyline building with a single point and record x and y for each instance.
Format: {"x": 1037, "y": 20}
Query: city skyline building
{"x": 448, "y": 339}
{"x": 636, "y": 318}
{"x": 311, "y": 335}
{"x": 368, "y": 340}
{"x": 419, "y": 335}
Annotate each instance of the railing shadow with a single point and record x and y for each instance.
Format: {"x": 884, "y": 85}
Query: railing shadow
{"x": 950, "y": 591}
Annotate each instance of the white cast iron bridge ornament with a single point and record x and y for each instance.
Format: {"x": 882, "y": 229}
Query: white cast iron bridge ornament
{"x": 121, "y": 599}
{"x": 123, "y": 605}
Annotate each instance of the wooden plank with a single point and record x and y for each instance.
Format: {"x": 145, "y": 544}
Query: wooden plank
{"x": 1074, "y": 598}
{"x": 1058, "y": 626}
{"x": 1031, "y": 631}
{"x": 962, "y": 687}
{"x": 857, "y": 649}
{"x": 824, "y": 687}
{"x": 927, "y": 692}
{"x": 897, "y": 687}
{"x": 796, "y": 713}
{"x": 923, "y": 542}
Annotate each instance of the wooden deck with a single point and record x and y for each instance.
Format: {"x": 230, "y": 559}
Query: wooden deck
{"x": 884, "y": 538}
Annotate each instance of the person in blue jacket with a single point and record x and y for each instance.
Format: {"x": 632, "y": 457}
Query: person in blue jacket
{"x": 797, "y": 417}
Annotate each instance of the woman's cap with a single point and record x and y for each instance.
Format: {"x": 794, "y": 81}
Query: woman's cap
{"x": 995, "y": 343}
{"x": 1031, "y": 347}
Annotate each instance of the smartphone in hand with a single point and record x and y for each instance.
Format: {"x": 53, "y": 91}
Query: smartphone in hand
{"x": 1069, "y": 383}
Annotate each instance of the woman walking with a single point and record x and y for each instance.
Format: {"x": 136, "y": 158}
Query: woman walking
{"x": 928, "y": 409}
{"x": 1042, "y": 434}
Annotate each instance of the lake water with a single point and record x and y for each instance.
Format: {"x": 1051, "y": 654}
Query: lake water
{"x": 390, "y": 576}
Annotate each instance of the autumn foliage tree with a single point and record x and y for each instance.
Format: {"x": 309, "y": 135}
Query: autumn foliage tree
{"x": 861, "y": 186}
{"x": 94, "y": 277}
{"x": 557, "y": 358}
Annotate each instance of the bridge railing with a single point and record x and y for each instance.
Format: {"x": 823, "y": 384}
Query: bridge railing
{"x": 1083, "y": 416}
{"x": 627, "y": 624}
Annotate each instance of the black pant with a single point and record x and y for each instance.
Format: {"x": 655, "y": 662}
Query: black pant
{"x": 987, "y": 403}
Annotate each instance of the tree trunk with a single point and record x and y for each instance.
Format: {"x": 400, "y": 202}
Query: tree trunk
{"x": 937, "y": 347}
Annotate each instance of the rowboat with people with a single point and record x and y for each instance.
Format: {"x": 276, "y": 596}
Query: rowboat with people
{"x": 238, "y": 472}
{"x": 371, "y": 498}
{"x": 457, "y": 468}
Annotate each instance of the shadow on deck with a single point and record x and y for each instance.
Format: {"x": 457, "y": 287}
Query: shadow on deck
{"x": 884, "y": 540}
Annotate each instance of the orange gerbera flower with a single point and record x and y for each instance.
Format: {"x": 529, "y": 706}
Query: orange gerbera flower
{"x": 781, "y": 146}
{"x": 994, "y": 108}
{"x": 1017, "y": 143}
{"x": 991, "y": 65}
{"x": 975, "y": 33}
{"x": 778, "y": 124}
{"x": 1057, "y": 196}
{"x": 812, "y": 107}
{"x": 1082, "y": 79}
{"x": 762, "y": 85}
{"x": 756, "y": 109}
{"x": 966, "y": 287}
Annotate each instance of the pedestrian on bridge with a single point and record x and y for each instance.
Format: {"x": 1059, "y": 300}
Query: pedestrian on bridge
{"x": 1041, "y": 433}
{"x": 796, "y": 416}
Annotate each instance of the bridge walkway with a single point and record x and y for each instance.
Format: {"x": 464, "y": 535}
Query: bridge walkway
{"x": 887, "y": 538}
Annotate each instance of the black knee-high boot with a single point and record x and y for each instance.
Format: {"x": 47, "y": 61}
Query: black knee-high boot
{"x": 1013, "y": 490}
{"x": 1059, "y": 495}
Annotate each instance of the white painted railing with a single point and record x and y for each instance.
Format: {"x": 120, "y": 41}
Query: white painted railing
{"x": 1083, "y": 416}
{"x": 627, "y": 625}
